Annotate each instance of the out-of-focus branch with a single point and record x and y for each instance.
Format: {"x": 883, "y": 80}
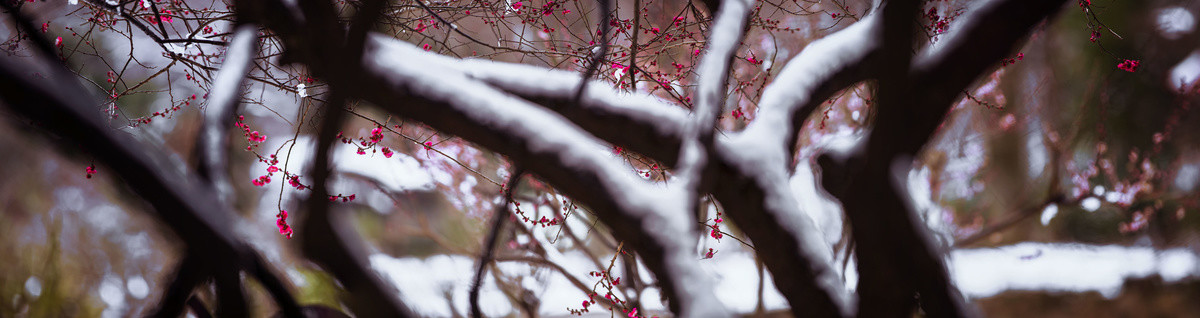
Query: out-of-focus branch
{"x": 489, "y": 245}
{"x": 231, "y": 298}
{"x": 179, "y": 291}
{"x": 328, "y": 239}
{"x": 222, "y": 105}
{"x": 197, "y": 307}
{"x": 1054, "y": 195}
{"x": 184, "y": 203}
{"x": 1012, "y": 219}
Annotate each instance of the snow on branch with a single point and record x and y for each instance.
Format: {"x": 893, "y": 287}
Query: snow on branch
{"x": 713, "y": 70}
{"x": 756, "y": 162}
{"x": 222, "y": 104}
{"x": 183, "y": 202}
{"x": 639, "y": 122}
{"x": 712, "y": 74}
{"x": 642, "y": 214}
{"x": 823, "y": 67}
{"x": 754, "y": 178}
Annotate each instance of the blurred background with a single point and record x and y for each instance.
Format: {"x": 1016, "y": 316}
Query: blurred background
{"x": 1062, "y": 184}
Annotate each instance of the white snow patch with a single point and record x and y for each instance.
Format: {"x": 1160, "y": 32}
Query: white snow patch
{"x": 1048, "y": 213}
{"x": 1112, "y": 196}
{"x": 1186, "y": 72}
{"x": 137, "y": 287}
{"x": 1035, "y": 149}
{"x": 1187, "y": 177}
{"x": 1064, "y": 267}
{"x": 176, "y": 48}
{"x": 825, "y": 213}
{"x": 111, "y": 292}
{"x": 1174, "y": 22}
{"x": 33, "y": 286}
{"x": 736, "y": 283}
{"x": 1091, "y": 204}
{"x": 978, "y": 273}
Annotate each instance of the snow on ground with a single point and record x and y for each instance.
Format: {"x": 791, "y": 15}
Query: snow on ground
{"x": 1064, "y": 267}
{"x": 1185, "y": 73}
{"x": 979, "y": 273}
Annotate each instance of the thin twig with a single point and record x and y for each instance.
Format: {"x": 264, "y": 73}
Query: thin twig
{"x": 489, "y": 245}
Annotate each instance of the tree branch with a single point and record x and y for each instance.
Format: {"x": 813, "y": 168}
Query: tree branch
{"x": 222, "y": 105}
{"x": 489, "y": 245}
{"x": 896, "y": 260}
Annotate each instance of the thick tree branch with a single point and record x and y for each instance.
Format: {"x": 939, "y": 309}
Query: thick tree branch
{"x": 326, "y": 238}
{"x": 759, "y": 200}
{"x": 550, "y": 147}
{"x": 182, "y": 202}
{"x": 822, "y": 68}
{"x": 896, "y": 261}
{"x": 329, "y": 239}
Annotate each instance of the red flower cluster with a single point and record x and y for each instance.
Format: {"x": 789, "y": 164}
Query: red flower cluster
{"x": 252, "y": 137}
{"x": 346, "y": 198}
{"x": 294, "y": 180}
{"x": 1129, "y": 65}
{"x": 716, "y": 230}
{"x": 281, "y": 221}
{"x": 262, "y": 180}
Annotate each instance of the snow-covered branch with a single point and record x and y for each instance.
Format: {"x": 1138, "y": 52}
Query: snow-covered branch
{"x": 713, "y": 71}
{"x": 824, "y": 67}
{"x": 896, "y": 259}
{"x": 643, "y": 214}
{"x": 640, "y": 123}
{"x": 222, "y": 104}
{"x": 182, "y": 201}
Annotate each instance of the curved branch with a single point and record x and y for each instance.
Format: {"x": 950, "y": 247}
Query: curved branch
{"x": 183, "y": 202}
{"x": 550, "y": 147}
{"x": 895, "y": 256}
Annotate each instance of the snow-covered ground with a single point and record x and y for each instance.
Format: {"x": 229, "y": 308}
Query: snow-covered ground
{"x": 979, "y": 273}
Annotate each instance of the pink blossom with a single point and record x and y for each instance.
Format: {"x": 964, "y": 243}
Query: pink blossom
{"x": 1129, "y": 65}
{"x": 281, "y": 222}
